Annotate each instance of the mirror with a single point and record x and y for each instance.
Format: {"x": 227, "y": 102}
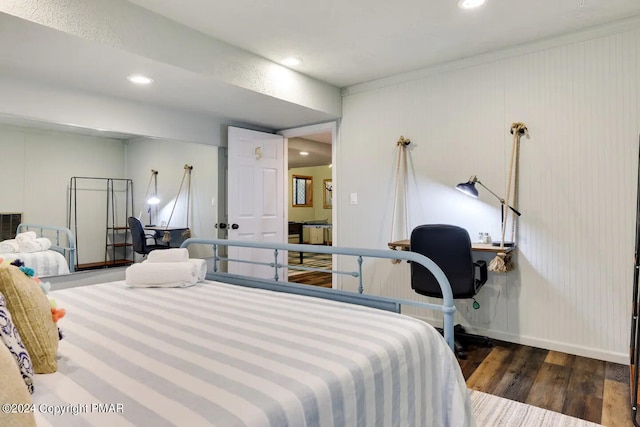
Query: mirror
{"x": 327, "y": 201}
{"x": 302, "y": 191}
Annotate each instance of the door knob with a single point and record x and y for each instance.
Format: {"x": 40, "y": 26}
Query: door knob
{"x": 235, "y": 226}
{"x": 222, "y": 226}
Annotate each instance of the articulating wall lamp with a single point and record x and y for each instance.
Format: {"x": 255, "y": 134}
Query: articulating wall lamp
{"x": 152, "y": 198}
{"x": 469, "y": 188}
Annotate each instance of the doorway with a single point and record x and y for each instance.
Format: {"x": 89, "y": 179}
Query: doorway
{"x": 311, "y": 202}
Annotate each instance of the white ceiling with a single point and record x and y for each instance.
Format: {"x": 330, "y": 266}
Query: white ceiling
{"x": 317, "y": 145}
{"x": 38, "y": 53}
{"x": 353, "y": 41}
{"x": 200, "y": 72}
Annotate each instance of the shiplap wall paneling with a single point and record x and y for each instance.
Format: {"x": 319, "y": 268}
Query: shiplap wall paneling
{"x": 572, "y": 287}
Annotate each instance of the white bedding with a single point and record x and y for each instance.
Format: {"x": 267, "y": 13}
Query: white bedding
{"x": 44, "y": 263}
{"x": 223, "y": 355}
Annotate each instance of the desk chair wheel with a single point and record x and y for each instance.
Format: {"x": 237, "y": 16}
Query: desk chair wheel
{"x": 459, "y": 351}
{"x": 462, "y": 339}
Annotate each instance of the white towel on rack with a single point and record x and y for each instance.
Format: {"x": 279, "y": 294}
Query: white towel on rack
{"x": 161, "y": 275}
{"x": 9, "y": 246}
{"x": 27, "y": 235}
{"x": 36, "y": 245}
{"x": 169, "y": 255}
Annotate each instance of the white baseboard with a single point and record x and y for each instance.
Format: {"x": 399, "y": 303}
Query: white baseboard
{"x": 593, "y": 353}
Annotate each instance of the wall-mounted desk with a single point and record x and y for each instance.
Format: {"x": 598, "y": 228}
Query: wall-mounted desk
{"x": 404, "y": 245}
{"x": 175, "y": 232}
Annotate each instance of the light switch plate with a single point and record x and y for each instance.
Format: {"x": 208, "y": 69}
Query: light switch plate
{"x": 354, "y": 198}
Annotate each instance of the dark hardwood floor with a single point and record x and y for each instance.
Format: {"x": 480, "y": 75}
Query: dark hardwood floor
{"x": 313, "y": 278}
{"x": 584, "y": 388}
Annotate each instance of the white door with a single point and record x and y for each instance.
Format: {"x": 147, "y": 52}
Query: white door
{"x": 255, "y": 198}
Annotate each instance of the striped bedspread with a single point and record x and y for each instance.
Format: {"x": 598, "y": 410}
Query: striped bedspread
{"x": 223, "y": 355}
{"x": 45, "y": 263}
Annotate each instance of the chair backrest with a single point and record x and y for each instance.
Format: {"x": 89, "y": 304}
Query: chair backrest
{"x": 138, "y": 236}
{"x": 449, "y": 247}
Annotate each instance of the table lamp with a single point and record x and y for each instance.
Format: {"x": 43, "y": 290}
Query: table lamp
{"x": 469, "y": 188}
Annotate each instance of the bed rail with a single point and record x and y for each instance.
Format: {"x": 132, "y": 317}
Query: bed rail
{"x": 62, "y": 240}
{"x": 375, "y": 301}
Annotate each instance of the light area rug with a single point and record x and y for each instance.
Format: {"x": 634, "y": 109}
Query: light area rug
{"x": 494, "y": 411}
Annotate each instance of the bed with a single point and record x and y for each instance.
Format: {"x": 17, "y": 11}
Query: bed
{"x": 240, "y": 351}
{"x": 57, "y": 260}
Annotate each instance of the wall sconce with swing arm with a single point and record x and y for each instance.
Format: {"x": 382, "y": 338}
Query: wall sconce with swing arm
{"x": 469, "y": 188}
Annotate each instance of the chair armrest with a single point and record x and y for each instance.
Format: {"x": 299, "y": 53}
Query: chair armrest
{"x": 482, "y": 265}
{"x": 151, "y": 236}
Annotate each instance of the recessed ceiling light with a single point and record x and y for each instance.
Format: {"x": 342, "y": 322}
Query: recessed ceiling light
{"x": 470, "y": 4}
{"x": 291, "y": 61}
{"x": 304, "y": 153}
{"x": 139, "y": 79}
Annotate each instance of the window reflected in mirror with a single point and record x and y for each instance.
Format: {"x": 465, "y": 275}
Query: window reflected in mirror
{"x": 302, "y": 191}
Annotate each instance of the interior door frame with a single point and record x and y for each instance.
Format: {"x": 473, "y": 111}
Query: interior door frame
{"x": 308, "y": 130}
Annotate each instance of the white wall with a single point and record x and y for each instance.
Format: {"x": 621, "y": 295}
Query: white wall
{"x": 36, "y": 166}
{"x": 571, "y": 290}
{"x": 168, "y": 157}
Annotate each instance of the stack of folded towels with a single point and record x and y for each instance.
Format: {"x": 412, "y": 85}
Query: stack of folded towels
{"x": 25, "y": 242}
{"x": 166, "y": 268}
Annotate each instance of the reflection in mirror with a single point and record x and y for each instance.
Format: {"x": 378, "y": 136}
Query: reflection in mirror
{"x": 302, "y": 191}
{"x": 327, "y": 202}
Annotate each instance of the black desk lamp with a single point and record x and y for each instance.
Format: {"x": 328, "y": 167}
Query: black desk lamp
{"x": 469, "y": 188}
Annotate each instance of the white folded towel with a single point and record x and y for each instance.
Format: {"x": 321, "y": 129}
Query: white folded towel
{"x": 201, "y": 266}
{"x": 36, "y": 245}
{"x": 161, "y": 274}
{"x": 169, "y": 255}
{"x": 9, "y": 246}
{"x": 27, "y": 235}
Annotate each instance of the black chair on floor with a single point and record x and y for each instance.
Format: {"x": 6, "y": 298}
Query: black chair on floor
{"x": 449, "y": 247}
{"x": 139, "y": 238}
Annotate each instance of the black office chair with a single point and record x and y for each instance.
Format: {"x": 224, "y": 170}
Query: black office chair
{"x": 139, "y": 238}
{"x": 450, "y": 248}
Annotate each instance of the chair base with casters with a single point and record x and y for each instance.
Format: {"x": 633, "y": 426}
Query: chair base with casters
{"x": 463, "y": 339}
{"x": 449, "y": 247}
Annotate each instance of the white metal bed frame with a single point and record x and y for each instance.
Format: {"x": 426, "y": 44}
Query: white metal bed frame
{"x": 275, "y": 284}
{"x": 57, "y": 235}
